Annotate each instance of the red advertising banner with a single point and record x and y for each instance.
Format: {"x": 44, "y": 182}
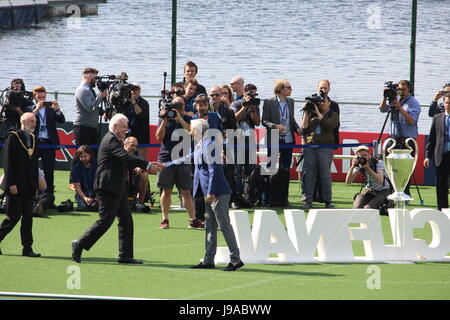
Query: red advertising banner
{"x": 339, "y": 168}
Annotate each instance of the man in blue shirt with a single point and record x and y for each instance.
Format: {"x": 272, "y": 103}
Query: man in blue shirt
{"x": 405, "y": 112}
{"x": 83, "y": 175}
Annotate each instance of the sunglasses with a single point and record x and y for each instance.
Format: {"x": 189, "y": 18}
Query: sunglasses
{"x": 287, "y": 87}
{"x": 215, "y": 95}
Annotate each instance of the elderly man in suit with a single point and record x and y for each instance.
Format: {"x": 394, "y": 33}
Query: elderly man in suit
{"x": 112, "y": 189}
{"x": 20, "y": 182}
{"x": 438, "y": 150}
{"x": 209, "y": 176}
{"x": 278, "y": 114}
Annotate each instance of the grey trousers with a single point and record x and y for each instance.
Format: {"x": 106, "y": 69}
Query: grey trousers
{"x": 318, "y": 160}
{"x": 217, "y": 216}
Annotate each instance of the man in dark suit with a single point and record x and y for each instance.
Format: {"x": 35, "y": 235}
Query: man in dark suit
{"x": 20, "y": 182}
{"x": 210, "y": 178}
{"x": 438, "y": 150}
{"x": 112, "y": 190}
{"x": 46, "y": 134}
{"x": 278, "y": 113}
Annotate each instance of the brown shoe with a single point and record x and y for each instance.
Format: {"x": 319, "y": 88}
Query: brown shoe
{"x": 164, "y": 224}
{"x": 196, "y": 224}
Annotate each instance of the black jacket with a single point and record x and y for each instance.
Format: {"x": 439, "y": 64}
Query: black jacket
{"x": 20, "y": 169}
{"x": 113, "y": 162}
{"x": 52, "y": 117}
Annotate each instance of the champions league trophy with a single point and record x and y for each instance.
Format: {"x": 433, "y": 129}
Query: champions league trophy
{"x": 399, "y": 166}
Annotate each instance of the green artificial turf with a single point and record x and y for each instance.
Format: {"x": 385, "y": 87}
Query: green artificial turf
{"x": 168, "y": 254}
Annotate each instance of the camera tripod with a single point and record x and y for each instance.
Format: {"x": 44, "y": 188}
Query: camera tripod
{"x": 395, "y": 120}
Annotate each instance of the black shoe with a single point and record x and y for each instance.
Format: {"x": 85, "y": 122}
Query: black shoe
{"x": 233, "y": 267}
{"x": 202, "y": 265}
{"x": 129, "y": 261}
{"x": 329, "y": 205}
{"x": 307, "y": 205}
{"x": 28, "y": 252}
{"x": 140, "y": 207}
{"x": 76, "y": 251}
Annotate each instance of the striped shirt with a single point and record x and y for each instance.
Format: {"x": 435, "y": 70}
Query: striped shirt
{"x": 370, "y": 181}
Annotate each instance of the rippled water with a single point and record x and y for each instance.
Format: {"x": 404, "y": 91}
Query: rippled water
{"x": 358, "y": 45}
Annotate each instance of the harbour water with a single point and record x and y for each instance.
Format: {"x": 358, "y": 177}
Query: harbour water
{"x": 358, "y": 45}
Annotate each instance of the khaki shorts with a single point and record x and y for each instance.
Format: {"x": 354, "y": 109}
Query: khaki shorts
{"x": 180, "y": 175}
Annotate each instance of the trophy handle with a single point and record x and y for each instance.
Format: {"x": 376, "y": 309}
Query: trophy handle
{"x": 388, "y": 149}
{"x": 416, "y": 156}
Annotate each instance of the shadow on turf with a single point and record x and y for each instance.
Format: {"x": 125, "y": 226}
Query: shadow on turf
{"x": 154, "y": 264}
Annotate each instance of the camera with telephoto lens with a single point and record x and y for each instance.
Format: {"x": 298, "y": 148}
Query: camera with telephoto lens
{"x": 361, "y": 161}
{"x": 254, "y": 101}
{"x": 392, "y": 91}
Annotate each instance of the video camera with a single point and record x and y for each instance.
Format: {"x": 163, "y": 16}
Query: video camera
{"x": 314, "y": 99}
{"x": 9, "y": 99}
{"x": 392, "y": 91}
{"x": 254, "y": 101}
{"x": 119, "y": 92}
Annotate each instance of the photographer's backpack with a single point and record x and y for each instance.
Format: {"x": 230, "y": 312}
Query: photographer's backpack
{"x": 253, "y": 186}
{"x": 279, "y": 188}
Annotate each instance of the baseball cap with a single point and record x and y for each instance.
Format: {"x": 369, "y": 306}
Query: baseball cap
{"x": 136, "y": 84}
{"x": 359, "y": 148}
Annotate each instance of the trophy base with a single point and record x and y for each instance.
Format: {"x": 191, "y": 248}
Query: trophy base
{"x": 399, "y": 196}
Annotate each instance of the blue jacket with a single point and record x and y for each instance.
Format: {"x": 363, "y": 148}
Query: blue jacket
{"x": 210, "y": 177}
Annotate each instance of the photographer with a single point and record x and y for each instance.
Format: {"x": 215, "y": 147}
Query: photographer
{"x": 436, "y": 108}
{"x": 47, "y": 115}
{"x": 376, "y": 185}
{"x": 88, "y": 106}
{"x": 18, "y": 102}
{"x": 318, "y": 125}
{"x": 139, "y": 110}
{"x": 181, "y": 175}
{"x": 247, "y": 118}
{"x": 405, "y": 110}
{"x": 137, "y": 179}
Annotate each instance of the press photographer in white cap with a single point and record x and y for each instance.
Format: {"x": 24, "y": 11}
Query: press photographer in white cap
{"x": 376, "y": 187}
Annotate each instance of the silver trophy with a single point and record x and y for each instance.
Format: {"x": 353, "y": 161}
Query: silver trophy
{"x": 399, "y": 166}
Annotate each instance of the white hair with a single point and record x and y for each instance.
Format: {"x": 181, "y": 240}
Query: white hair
{"x": 199, "y": 125}
{"x": 118, "y": 117}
